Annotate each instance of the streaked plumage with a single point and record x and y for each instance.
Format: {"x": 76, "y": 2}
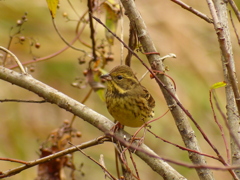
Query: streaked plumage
{"x": 127, "y": 100}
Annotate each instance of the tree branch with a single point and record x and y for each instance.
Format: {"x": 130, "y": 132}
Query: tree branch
{"x": 219, "y": 13}
{"x": 192, "y": 10}
{"x": 235, "y": 9}
{"x": 99, "y": 121}
{"x": 154, "y": 59}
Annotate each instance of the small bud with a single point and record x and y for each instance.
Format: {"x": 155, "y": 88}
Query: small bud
{"x": 81, "y": 60}
{"x": 31, "y": 69}
{"x": 19, "y": 22}
{"x": 22, "y": 38}
{"x": 66, "y": 121}
{"x": 101, "y": 46}
{"x": 65, "y": 14}
{"x": 103, "y": 80}
{"x": 79, "y": 134}
{"x": 95, "y": 69}
{"x": 103, "y": 51}
{"x": 24, "y": 17}
{"x": 151, "y": 76}
{"x": 37, "y": 45}
{"x": 85, "y": 72}
{"x": 109, "y": 58}
{"x": 1, "y": 55}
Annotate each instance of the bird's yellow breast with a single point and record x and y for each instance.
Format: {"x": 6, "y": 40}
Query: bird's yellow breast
{"x": 129, "y": 111}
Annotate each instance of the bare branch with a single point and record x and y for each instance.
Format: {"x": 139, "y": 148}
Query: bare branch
{"x": 52, "y": 156}
{"x": 22, "y": 101}
{"x": 64, "y": 40}
{"x": 235, "y": 9}
{"x": 192, "y": 10}
{"x": 99, "y": 164}
{"x": 219, "y": 13}
{"x": 219, "y": 125}
{"x": 13, "y": 160}
{"x": 15, "y": 58}
{"x": 51, "y": 55}
{"x": 235, "y": 29}
{"x": 92, "y": 30}
{"x": 169, "y": 93}
{"x": 99, "y": 121}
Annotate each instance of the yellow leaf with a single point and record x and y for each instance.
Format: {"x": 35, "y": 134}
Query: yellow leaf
{"x": 101, "y": 94}
{"x": 52, "y": 6}
{"x": 218, "y": 85}
{"x": 102, "y": 71}
{"x": 112, "y": 15}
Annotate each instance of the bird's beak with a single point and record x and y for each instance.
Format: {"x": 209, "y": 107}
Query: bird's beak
{"x": 106, "y": 77}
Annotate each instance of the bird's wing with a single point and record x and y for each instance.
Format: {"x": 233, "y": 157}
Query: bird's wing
{"x": 148, "y": 96}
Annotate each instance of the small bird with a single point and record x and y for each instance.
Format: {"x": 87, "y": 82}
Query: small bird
{"x": 127, "y": 100}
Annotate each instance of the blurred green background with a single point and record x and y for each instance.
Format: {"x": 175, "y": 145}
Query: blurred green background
{"x": 174, "y": 30}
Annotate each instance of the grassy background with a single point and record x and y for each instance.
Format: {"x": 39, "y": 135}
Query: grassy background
{"x": 173, "y": 30}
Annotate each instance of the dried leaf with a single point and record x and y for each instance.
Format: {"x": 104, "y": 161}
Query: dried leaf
{"x": 94, "y": 81}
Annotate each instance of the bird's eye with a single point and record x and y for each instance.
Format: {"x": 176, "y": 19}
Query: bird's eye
{"x": 119, "y": 77}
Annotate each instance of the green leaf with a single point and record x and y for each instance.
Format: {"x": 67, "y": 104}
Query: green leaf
{"x": 52, "y": 6}
{"x": 218, "y": 85}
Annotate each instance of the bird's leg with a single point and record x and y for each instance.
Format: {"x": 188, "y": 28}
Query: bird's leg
{"x": 117, "y": 127}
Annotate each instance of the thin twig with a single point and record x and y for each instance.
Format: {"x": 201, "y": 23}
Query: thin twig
{"x": 148, "y": 123}
{"x": 13, "y": 160}
{"x": 134, "y": 164}
{"x": 83, "y": 101}
{"x": 73, "y": 8}
{"x": 138, "y": 149}
{"x": 70, "y": 150}
{"x": 99, "y": 164}
{"x": 235, "y": 9}
{"x": 178, "y": 112}
{"x": 192, "y": 10}
{"x": 8, "y": 46}
{"x": 95, "y": 119}
{"x": 117, "y": 159}
{"x": 22, "y": 101}
{"x": 51, "y": 55}
{"x": 16, "y": 59}
{"x": 183, "y": 148}
{"x": 234, "y": 27}
{"x": 171, "y": 94}
{"x": 92, "y": 30}
{"x": 226, "y": 122}
{"x": 122, "y": 33}
{"x": 64, "y": 40}
{"x": 219, "y": 125}
{"x": 143, "y": 76}
{"x": 87, "y": 96}
{"x": 19, "y": 26}
{"x": 225, "y": 49}
{"x": 101, "y": 161}
{"x": 218, "y": 11}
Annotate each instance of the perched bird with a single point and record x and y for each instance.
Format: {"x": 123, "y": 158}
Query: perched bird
{"x": 127, "y": 100}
